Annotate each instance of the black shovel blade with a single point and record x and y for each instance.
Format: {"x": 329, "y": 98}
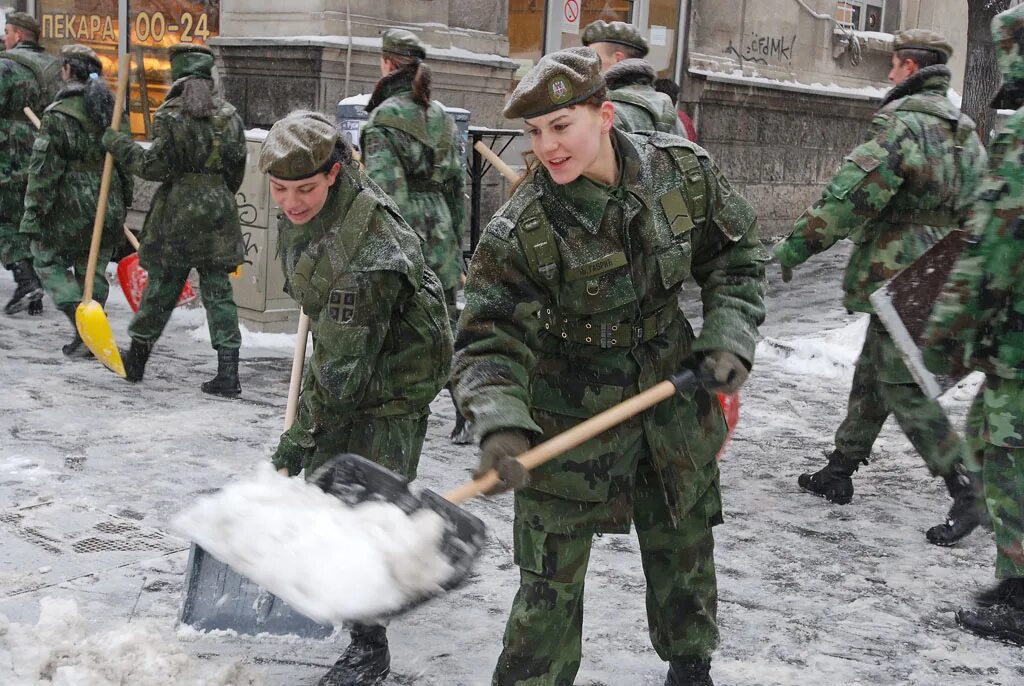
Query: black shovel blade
{"x": 217, "y": 598}
{"x": 354, "y": 479}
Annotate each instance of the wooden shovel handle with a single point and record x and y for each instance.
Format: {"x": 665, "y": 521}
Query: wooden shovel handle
{"x": 496, "y": 161}
{"x": 108, "y": 171}
{"x": 32, "y": 117}
{"x": 298, "y": 361}
{"x": 685, "y": 381}
{"x": 131, "y": 238}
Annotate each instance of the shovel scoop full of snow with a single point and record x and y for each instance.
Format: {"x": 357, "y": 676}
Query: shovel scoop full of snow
{"x": 355, "y": 544}
{"x": 134, "y": 278}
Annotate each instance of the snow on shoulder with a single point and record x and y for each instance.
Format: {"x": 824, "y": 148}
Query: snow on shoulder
{"x": 330, "y": 561}
{"x": 59, "y": 650}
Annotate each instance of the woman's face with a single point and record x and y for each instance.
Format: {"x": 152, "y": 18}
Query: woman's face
{"x": 302, "y": 200}
{"x": 568, "y": 141}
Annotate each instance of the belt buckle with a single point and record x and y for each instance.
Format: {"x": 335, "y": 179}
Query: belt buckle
{"x": 638, "y": 334}
{"x": 606, "y": 340}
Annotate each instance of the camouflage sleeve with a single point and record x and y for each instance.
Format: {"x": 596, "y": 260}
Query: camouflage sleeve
{"x": 455, "y": 195}
{"x": 980, "y": 288}
{"x": 728, "y": 265}
{"x": 152, "y": 164}
{"x": 496, "y": 336}
{"x": 127, "y": 178}
{"x": 5, "y": 83}
{"x": 45, "y": 170}
{"x": 350, "y": 330}
{"x": 866, "y": 181}
{"x": 234, "y": 172}
{"x": 383, "y": 165}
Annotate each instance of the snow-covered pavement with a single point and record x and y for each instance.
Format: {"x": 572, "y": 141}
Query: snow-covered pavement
{"x": 92, "y": 470}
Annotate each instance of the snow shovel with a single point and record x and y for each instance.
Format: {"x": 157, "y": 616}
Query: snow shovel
{"x": 215, "y": 597}
{"x": 354, "y": 480}
{"x": 134, "y": 278}
{"x": 91, "y": 320}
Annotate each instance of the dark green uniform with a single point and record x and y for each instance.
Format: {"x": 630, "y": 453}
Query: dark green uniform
{"x": 571, "y": 307}
{"x": 60, "y": 203}
{"x": 193, "y": 221}
{"x": 894, "y": 196}
{"x": 415, "y": 156}
{"x": 638, "y": 107}
{"x": 382, "y": 346}
{"x": 20, "y": 70}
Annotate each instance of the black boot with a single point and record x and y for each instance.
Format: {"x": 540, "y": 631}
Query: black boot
{"x": 226, "y": 382}
{"x": 1001, "y": 622}
{"x": 76, "y": 348}
{"x": 365, "y": 662}
{"x": 29, "y": 292}
{"x": 1008, "y": 592}
{"x": 833, "y": 481}
{"x": 135, "y": 360}
{"x": 965, "y": 514}
{"x": 689, "y": 673}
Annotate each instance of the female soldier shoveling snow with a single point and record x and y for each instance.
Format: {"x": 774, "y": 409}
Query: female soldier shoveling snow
{"x": 382, "y": 346}
{"x": 571, "y": 306}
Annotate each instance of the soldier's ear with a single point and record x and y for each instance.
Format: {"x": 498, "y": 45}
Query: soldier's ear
{"x": 607, "y": 113}
{"x": 332, "y": 175}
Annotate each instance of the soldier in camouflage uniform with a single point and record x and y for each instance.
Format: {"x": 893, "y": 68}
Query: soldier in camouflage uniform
{"x": 895, "y": 196}
{"x": 638, "y": 106}
{"x": 382, "y": 345}
{"x": 979, "y": 321}
{"x": 564, "y": 318}
{"x": 198, "y": 156}
{"x": 412, "y": 150}
{"x": 24, "y": 70}
{"x": 63, "y": 187}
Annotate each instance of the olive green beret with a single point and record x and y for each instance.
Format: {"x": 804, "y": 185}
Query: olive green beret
{"x": 298, "y": 146}
{"x": 615, "y": 32}
{"x": 24, "y": 21}
{"x": 922, "y": 39}
{"x": 79, "y": 52}
{"x": 191, "y": 59}
{"x": 402, "y": 42}
{"x": 558, "y": 80}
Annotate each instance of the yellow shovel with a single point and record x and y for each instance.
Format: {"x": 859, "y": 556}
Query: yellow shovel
{"x": 91, "y": 320}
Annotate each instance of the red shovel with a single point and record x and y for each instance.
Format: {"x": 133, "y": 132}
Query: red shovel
{"x": 133, "y": 278}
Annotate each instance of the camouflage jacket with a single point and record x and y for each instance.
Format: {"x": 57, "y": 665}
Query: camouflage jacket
{"x": 200, "y": 163}
{"x": 415, "y": 156}
{"x": 572, "y": 307}
{"x": 382, "y": 345}
{"x": 64, "y": 179}
{"x": 638, "y": 107}
{"x": 19, "y": 89}
{"x": 982, "y": 305}
{"x": 898, "y": 193}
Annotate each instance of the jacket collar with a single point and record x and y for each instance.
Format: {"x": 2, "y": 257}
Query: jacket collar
{"x": 393, "y": 84}
{"x": 933, "y": 79}
{"x": 632, "y": 72}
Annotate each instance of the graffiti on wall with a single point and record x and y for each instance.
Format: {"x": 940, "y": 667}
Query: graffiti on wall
{"x": 763, "y": 49}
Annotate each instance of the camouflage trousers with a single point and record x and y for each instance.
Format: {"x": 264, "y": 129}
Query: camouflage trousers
{"x": 161, "y": 296}
{"x": 14, "y": 245}
{"x": 392, "y": 442}
{"x": 995, "y": 432}
{"x": 882, "y": 385}
{"x": 63, "y": 276}
{"x": 543, "y": 636}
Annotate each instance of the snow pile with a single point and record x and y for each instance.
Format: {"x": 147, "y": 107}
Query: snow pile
{"x": 59, "y": 651}
{"x": 831, "y": 354}
{"x": 328, "y": 560}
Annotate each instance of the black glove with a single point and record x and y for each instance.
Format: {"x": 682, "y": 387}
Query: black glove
{"x": 498, "y": 451}
{"x": 726, "y": 369}
{"x": 787, "y": 274}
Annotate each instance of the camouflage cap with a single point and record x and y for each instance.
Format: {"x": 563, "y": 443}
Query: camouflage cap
{"x": 558, "y": 80}
{"x": 191, "y": 59}
{"x": 402, "y": 42}
{"x": 619, "y": 32}
{"x": 1008, "y": 36}
{"x": 79, "y": 52}
{"x": 24, "y": 21}
{"x": 298, "y": 146}
{"x": 922, "y": 39}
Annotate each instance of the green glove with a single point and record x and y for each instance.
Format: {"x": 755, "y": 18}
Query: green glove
{"x": 498, "y": 451}
{"x": 111, "y": 138}
{"x": 727, "y": 369}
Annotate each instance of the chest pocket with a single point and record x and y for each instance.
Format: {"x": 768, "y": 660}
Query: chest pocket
{"x": 600, "y": 284}
{"x": 672, "y": 242}
{"x": 310, "y": 283}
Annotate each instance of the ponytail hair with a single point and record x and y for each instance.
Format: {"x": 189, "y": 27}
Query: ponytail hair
{"x": 99, "y": 100}
{"x": 422, "y": 76}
